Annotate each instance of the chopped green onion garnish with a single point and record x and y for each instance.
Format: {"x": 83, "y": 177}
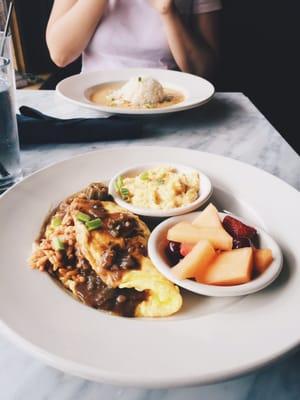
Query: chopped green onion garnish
{"x": 119, "y": 183}
{"x": 56, "y": 221}
{"x": 82, "y": 217}
{"x": 144, "y": 176}
{"x": 124, "y": 192}
{"x": 57, "y": 244}
{"x": 93, "y": 224}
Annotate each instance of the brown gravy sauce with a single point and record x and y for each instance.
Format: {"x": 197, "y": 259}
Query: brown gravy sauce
{"x": 119, "y": 301}
{"x": 93, "y": 291}
{"x": 99, "y": 96}
{"x": 96, "y": 294}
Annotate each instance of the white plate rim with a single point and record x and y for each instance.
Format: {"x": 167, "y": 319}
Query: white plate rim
{"x": 92, "y": 374}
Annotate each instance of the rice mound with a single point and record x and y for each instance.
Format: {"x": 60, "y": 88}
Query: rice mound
{"x": 139, "y": 91}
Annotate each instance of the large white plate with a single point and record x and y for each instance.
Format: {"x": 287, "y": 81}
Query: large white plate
{"x": 197, "y": 90}
{"x": 211, "y": 339}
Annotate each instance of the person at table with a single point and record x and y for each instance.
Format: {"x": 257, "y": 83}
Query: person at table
{"x": 169, "y": 34}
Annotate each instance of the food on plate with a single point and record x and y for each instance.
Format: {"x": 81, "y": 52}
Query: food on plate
{"x": 98, "y": 252}
{"x": 241, "y": 242}
{"x": 232, "y": 267}
{"x": 196, "y": 261}
{"x": 203, "y": 250}
{"x": 243, "y": 235}
{"x": 209, "y": 218}
{"x": 184, "y": 248}
{"x": 238, "y": 229}
{"x": 137, "y": 92}
{"x": 184, "y": 232}
{"x": 173, "y": 252}
{"x": 162, "y": 187}
{"x": 262, "y": 259}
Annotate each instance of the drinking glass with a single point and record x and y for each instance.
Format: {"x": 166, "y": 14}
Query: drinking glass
{"x": 10, "y": 167}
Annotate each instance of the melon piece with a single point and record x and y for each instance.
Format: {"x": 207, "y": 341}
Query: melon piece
{"x": 185, "y": 248}
{"x": 196, "y": 261}
{"x": 184, "y": 232}
{"x": 208, "y": 218}
{"x": 262, "y": 259}
{"x": 232, "y": 267}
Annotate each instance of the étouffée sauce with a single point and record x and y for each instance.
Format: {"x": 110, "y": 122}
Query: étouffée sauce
{"x": 99, "y": 96}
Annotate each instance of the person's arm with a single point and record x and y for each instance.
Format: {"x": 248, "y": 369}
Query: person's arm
{"x": 71, "y": 25}
{"x": 195, "y": 50}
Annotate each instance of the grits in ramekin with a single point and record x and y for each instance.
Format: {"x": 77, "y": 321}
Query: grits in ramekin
{"x": 162, "y": 187}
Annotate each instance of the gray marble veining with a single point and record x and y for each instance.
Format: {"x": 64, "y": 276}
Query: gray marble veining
{"x": 229, "y": 125}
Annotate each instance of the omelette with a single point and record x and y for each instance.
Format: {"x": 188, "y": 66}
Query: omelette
{"x": 98, "y": 252}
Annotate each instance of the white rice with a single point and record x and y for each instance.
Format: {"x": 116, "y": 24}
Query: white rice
{"x": 139, "y": 91}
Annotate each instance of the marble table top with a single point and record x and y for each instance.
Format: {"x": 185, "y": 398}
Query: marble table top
{"x": 229, "y": 125}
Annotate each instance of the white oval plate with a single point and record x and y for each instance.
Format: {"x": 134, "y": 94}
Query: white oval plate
{"x": 209, "y": 340}
{"x": 157, "y": 245}
{"x": 205, "y": 191}
{"x": 197, "y": 90}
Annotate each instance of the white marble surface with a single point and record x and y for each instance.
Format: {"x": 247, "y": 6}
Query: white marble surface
{"x": 230, "y": 125}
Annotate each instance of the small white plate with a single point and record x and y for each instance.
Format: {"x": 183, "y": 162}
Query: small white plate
{"x": 205, "y": 191}
{"x": 156, "y": 248}
{"x": 196, "y": 90}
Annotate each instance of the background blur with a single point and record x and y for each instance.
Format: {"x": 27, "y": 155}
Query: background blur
{"x": 260, "y": 44}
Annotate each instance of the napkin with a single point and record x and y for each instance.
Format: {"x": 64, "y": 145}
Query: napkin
{"x": 37, "y": 128}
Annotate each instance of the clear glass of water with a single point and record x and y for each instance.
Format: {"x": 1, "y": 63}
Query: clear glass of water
{"x": 10, "y": 166}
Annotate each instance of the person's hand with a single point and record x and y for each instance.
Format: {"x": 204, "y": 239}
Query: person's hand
{"x": 163, "y": 6}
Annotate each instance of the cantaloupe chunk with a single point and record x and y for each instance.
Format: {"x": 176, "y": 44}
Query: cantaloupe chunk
{"x": 232, "y": 267}
{"x": 208, "y": 218}
{"x": 262, "y": 259}
{"x": 184, "y": 232}
{"x": 196, "y": 261}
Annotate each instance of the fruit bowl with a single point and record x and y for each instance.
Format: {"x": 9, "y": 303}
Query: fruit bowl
{"x": 158, "y": 242}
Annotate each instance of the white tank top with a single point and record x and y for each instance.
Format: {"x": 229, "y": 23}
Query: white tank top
{"x": 131, "y": 34}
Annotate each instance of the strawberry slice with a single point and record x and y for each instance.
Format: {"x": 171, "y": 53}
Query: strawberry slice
{"x": 237, "y": 229}
{"x": 241, "y": 242}
{"x": 185, "y": 248}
